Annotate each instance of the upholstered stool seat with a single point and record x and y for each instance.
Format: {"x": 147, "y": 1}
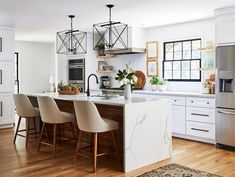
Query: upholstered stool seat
{"x": 50, "y": 114}
{"x": 89, "y": 120}
{"x": 25, "y": 109}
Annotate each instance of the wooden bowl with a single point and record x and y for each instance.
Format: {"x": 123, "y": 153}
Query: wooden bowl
{"x": 141, "y": 79}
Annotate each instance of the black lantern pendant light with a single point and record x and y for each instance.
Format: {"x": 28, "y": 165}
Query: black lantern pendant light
{"x": 71, "y": 42}
{"x": 114, "y": 35}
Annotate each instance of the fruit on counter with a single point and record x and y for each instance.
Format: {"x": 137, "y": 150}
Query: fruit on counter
{"x": 70, "y": 87}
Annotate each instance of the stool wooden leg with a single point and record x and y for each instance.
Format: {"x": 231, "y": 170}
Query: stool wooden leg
{"x": 54, "y": 140}
{"x": 27, "y": 131}
{"x": 35, "y": 128}
{"x": 74, "y": 137}
{"x": 78, "y": 146}
{"x": 95, "y": 152}
{"x": 40, "y": 137}
{"x": 17, "y": 128}
{"x": 115, "y": 146}
{"x": 59, "y": 135}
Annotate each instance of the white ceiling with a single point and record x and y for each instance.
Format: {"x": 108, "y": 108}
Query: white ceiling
{"x": 39, "y": 20}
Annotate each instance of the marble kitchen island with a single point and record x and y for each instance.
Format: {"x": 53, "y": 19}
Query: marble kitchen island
{"x": 144, "y": 135}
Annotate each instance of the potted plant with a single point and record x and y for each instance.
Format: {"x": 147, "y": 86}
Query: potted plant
{"x": 127, "y": 79}
{"x": 162, "y": 84}
{"x": 154, "y": 82}
{"x": 158, "y": 83}
{"x": 100, "y": 47}
{"x": 206, "y": 87}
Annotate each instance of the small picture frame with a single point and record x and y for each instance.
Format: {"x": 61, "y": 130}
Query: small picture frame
{"x": 101, "y": 65}
{"x": 152, "y": 67}
{"x": 152, "y": 50}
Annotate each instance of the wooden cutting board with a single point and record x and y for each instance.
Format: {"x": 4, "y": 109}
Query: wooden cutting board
{"x": 141, "y": 79}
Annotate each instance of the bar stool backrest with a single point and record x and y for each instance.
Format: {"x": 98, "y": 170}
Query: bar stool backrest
{"x": 24, "y": 107}
{"x": 88, "y": 117}
{"x": 49, "y": 111}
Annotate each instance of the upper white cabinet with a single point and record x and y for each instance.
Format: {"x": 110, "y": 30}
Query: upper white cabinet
{"x": 6, "y": 76}
{"x": 225, "y": 26}
{"x": 7, "y": 46}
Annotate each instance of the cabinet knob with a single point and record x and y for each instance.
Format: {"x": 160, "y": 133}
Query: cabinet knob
{"x": 208, "y": 102}
{"x": 191, "y": 101}
{"x": 175, "y": 100}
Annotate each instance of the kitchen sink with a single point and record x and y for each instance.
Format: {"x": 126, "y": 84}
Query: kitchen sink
{"x": 105, "y": 96}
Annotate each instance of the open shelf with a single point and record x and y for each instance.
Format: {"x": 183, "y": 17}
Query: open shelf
{"x": 106, "y": 57}
{"x": 105, "y": 71}
{"x": 206, "y": 69}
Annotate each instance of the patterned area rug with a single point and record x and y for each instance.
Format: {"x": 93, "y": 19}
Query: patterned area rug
{"x": 175, "y": 170}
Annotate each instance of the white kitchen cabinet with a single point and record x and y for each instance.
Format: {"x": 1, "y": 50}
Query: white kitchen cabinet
{"x": 6, "y": 109}
{"x": 6, "y": 77}
{"x": 225, "y": 26}
{"x": 178, "y": 119}
{"x": 204, "y": 115}
{"x": 7, "y": 44}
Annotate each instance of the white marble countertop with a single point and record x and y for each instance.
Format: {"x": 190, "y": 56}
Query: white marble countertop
{"x": 174, "y": 93}
{"x": 117, "y": 100}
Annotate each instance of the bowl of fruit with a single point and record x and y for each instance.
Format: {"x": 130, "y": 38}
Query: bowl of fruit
{"x": 69, "y": 89}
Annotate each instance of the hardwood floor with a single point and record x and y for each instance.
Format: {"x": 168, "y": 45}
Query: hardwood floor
{"x": 19, "y": 161}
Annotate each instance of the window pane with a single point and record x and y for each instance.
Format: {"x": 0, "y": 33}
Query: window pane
{"x": 176, "y": 65}
{"x": 168, "y": 75}
{"x": 185, "y": 65}
{"x": 177, "y": 55}
{"x": 176, "y": 74}
{"x": 169, "y": 56}
{"x": 195, "y": 64}
{"x": 169, "y": 47}
{"x": 196, "y": 54}
{"x": 195, "y": 74}
{"x": 196, "y": 44}
{"x": 187, "y": 54}
{"x": 178, "y": 46}
{"x": 185, "y": 74}
{"x": 168, "y": 66}
{"x": 187, "y": 45}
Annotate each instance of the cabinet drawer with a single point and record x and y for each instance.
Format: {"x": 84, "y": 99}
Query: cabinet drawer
{"x": 203, "y": 130}
{"x": 205, "y": 115}
{"x": 176, "y": 100}
{"x": 200, "y": 102}
{"x": 6, "y": 76}
{"x": 6, "y": 109}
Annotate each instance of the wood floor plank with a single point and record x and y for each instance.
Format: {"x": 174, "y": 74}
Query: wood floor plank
{"x": 21, "y": 162}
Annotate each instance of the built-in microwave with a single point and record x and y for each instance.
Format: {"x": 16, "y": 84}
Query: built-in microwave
{"x": 76, "y": 72}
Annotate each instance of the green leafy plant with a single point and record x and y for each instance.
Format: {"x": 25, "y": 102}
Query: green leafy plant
{"x": 155, "y": 80}
{"x": 100, "y": 46}
{"x": 60, "y": 85}
{"x": 126, "y": 76}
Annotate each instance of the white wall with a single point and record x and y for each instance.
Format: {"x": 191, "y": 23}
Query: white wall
{"x": 204, "y": 29}
{"x": 36, "y": 64}
{"x": 199, "y": 29}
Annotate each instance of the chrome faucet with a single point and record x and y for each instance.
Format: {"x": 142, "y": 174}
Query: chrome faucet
{"x": 88, "y": 83}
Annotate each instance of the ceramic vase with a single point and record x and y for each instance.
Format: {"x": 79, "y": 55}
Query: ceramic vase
{"x": 127, "y": 91}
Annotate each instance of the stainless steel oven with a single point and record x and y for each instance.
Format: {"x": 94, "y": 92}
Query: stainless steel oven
{"x": 76, "y": 72}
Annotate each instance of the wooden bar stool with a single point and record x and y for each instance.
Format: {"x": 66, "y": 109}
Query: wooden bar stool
{"x": 25, "y": 109}
{"x": 50, "y": 114}
{"x": 89, "y": 120}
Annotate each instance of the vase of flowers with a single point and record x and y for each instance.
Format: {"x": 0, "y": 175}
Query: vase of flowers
{"x": 127, "y": 79}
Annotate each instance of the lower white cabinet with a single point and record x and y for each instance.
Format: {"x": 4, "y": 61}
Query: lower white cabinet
{"x": 199, "y": 129}
{"x": 178, "y": 119}
{"x": 6, "y": 109}
{"x": 197, "y": 114}
{"x": 6, "y": 76}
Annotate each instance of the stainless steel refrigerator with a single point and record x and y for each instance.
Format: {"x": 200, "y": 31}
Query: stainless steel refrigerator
{"x": 225, "y": 96}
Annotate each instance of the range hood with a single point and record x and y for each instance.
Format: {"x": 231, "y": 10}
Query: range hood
{"x": 125, "y": 51}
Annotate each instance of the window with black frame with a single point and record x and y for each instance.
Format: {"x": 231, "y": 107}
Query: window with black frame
{"x": 182, "y": 60}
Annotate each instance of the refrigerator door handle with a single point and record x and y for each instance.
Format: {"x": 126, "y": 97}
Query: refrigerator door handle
{"x": 226, "y": 112}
